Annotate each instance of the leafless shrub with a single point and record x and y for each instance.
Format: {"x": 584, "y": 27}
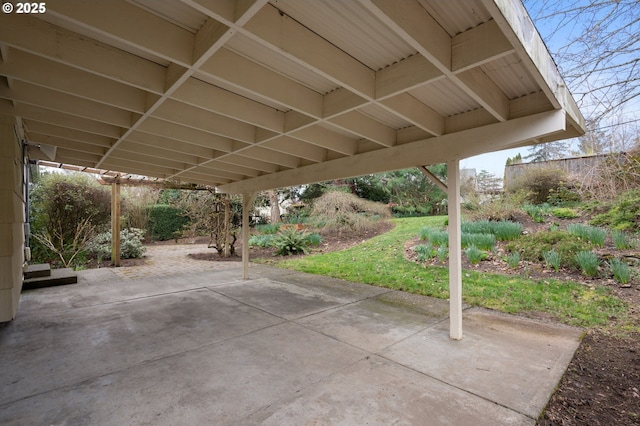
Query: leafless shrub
{"x": 343, "y": 211}
{"x": 616, "y": 174}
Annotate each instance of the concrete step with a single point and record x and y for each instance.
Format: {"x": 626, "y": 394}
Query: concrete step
{"x": 62, "y": 276}
{"x": 37, "y": 271}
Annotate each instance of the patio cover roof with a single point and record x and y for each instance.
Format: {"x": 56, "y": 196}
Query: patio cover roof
{"x": 250, "y": 95}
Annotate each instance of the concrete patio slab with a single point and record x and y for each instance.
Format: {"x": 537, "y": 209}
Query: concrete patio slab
{"x": 512, "y": 361}
{"x": 282, "y": 348}
{"x": 375, "y": 323}
{"x": 376, "y": 391}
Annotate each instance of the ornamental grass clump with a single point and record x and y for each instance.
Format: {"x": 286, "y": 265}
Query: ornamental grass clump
{"x": 507, "y": 231}
{"x": 588, "y": 262}
{"x": 443, "y": 254}
{"x": 597, "y": 236}
{"x": 425, "y": 251}
{"x": 503, "y": 230}
{"x": 436, "y": 237}
{"x": 620, "y": 270}
{"x": 475, "y": 255}
{"x": 512, "y": 259}
{"x": 621, "y": 240}
{"x": 552, "y": 258}
{"x": 268, "y": 228}
{"x": 592, "y": 234}
{"x": 481, "y": 241}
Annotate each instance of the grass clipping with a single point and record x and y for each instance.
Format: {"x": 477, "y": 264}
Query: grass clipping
{"x": 342, "y": 211}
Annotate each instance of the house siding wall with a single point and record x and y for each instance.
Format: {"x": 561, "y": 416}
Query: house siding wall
{"x": 12, "y": 218}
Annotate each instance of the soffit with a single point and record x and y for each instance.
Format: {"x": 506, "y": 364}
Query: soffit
{"x": 252, "y": 95}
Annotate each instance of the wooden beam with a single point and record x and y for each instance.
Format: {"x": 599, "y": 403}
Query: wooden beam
{"x": 33, "y": 35}
{"x": 54, "y": 75}
{"x": 433, "y": 178}
{"x": 69, "y": 104}
{"x": 211, "y": 98}
{"x": 177, "y": 131}
{"x": 434, "y": 150}
{"x": 238, "y": 71}
{"x": 326, "y": 138}
{"x": 206, "y": 121}
{"x": 43, "y": 115}
{"x": 417, "y": 113}
{"x": 407, "y": 74}
{"x": 365, "y": 127}
{"x": 124, "y": 21}
{"x": 285, "y": 36}
{"x": 478, "y": 46}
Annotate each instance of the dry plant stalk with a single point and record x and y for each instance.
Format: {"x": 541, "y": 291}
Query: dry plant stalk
{"x": 68, "y": 251}
{"x": 617, "y": 174}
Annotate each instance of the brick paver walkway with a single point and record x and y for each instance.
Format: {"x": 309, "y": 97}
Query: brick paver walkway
{"x": 163, "y": 260}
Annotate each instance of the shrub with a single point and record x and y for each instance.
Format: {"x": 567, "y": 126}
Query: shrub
{"x": 504, "y": 207}
{"x": 540, "y": 183}
{"x": 347, "y": 212}
{"x": 475, "y": 255}
{"x": 535, "y": 245}
{"x": 290, "y": 241}
{"x": 563, "y": 196}
{"x": 621, "y": 240}
{"x": 130, "y": 244}
{"x": 512, "y": 259}
{"x": 65, "y": 212}
{"x": 165, "y": 222}
{"x": 622, "y": 214}
{"x": 588, "y": 263}
{"x": 620, "y": 270}
{"x": 552, "y": 258}
{"x": 565, "y": 213}
{"x": 135, "y": 202}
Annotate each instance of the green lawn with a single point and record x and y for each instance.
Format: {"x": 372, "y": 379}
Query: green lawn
{"x": 380, "y": 261}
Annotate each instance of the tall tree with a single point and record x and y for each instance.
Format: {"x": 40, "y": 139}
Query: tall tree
{"x": 594, "y": 141}
{"x": 548, "y": 151}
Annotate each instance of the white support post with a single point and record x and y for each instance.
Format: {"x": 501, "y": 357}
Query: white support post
{"x": 115, "y": 223}
{"x": 455, "y": 250}
{"x": 247, "y": 202}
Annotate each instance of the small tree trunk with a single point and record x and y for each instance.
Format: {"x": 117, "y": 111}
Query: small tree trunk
{"x": 275, "y": 206}
{"x": 227, "y": 227}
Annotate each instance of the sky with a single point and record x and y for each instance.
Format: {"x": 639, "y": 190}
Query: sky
{"x": 492, "y": 162}
{"x": 555, "y": 32}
